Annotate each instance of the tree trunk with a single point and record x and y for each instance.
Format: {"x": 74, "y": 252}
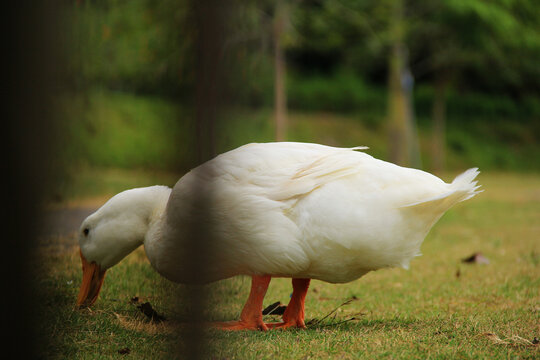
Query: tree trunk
{"x": 397, "y": 99}
{"x": 280, "y": 100}
{"x": 439, "y": 125}
{"x": 407, "y": 84}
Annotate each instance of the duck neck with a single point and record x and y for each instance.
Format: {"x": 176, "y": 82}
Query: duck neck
{"x": 156, "y": 224}
{"x": 159, "y": 199}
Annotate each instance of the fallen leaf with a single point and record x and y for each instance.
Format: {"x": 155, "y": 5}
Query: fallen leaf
{"x": 476, "y": 258}
{"x": 124, "y": 351}
{"x": 276, "y": 308}
{"x": 147, "y": 310}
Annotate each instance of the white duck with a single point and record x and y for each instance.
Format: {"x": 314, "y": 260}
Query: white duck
{"x": 297, "y": 210}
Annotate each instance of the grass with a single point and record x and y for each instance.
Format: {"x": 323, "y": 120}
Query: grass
{"x": 441, "y": 308}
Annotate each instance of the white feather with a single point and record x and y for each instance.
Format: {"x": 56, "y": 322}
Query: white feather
{"x": 294, "y": 210}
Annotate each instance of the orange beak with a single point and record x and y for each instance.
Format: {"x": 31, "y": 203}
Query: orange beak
{"x": 93, "y": 278}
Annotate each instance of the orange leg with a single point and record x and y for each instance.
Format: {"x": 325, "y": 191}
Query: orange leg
{"x": 251, "y": 317}
{"x": 294, "y": 314}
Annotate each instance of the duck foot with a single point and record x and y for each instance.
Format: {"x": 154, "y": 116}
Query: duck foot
{"x": 243, "y": 325}
{"x": 251, "y": 316}
{"x": 286, "y": 325}
{"x": 294, "y": 314}
{"x": 239, "y": 325}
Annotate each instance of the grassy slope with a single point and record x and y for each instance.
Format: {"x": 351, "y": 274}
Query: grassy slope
{"x": 427, "y": 312}
{"x": 108, "y": 129}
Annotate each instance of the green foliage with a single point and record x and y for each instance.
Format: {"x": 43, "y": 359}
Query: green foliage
{"x": 114, "y": 44}
{"x": 149, "y": 47}
{"x": 146, "y": 47}
{"x": 339, "y": 92}
{"x": 345, "y": 92}
{"x": 489, "y": 46}
{"x": 496, "y": 37}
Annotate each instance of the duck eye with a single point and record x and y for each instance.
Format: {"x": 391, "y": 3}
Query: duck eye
{"x": 86, "y": 231}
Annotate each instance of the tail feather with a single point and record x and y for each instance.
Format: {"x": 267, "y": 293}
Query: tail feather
{"x": 465, "y": 185}
{"x": 462, "y": 188}
{"x": 422, "y": 215}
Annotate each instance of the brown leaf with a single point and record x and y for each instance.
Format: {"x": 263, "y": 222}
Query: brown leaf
{"x": 124, "y": 351}
{"x": 147, "y": 310}
{"x": 276, "y": 308}
{"x": 476, "y": 258}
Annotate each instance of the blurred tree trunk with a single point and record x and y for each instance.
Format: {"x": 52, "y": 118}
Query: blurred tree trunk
{"x": 407, "y": 84}
{"x": 280, "y": 100}
{"x": 439, "y": 123}
{"x": 397, "y": 98}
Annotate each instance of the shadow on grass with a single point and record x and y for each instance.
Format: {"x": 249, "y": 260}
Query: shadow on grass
{"x": 368, "y": 324}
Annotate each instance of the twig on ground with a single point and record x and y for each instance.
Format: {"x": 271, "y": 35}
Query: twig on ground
{"x": 514, "y": 340}
{"x": 315, "y": 322}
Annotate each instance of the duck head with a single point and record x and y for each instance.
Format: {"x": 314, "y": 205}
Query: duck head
{"x": 112, "y": 233}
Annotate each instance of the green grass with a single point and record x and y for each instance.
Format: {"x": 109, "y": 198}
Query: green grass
{"x": 428, "y": 312}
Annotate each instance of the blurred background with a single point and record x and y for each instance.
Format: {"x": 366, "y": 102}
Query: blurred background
{"x": 106, "y": 95}
{"x": 439, "y": 85}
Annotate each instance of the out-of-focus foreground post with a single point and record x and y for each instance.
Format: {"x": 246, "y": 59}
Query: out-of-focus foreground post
{"x": 34, "y": 75}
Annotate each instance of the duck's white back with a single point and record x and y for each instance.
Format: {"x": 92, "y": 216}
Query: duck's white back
{"x": 304, "y": 210}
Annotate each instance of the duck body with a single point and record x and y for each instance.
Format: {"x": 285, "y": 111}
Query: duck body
{"x": 303, "y": 211}
{"x": 297, "y": 210}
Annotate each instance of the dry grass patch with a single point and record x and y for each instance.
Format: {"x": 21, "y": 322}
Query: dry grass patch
{"x": 145, "y": 325}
